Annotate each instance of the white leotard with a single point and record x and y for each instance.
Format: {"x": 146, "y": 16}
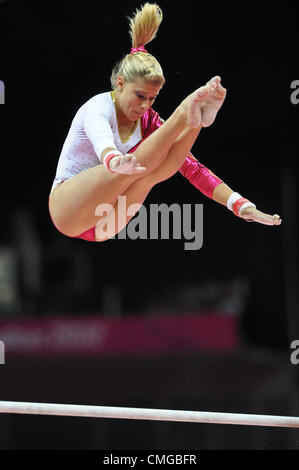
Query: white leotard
{"x": 93, "y": 129}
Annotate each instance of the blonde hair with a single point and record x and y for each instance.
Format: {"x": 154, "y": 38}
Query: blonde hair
{"x": 143, "y": 29}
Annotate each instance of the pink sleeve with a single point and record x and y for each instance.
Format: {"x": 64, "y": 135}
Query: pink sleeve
{"x": 199, "y": 175}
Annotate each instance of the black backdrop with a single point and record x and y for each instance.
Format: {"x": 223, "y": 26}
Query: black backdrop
{"x": 56, "y": 55}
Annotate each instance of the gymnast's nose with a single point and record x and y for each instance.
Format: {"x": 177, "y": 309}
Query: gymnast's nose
{"x": 145, "y": 105}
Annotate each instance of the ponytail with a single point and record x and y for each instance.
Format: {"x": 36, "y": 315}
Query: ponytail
{"x": 144, "y": 24}
{"x": 139, "y": 63}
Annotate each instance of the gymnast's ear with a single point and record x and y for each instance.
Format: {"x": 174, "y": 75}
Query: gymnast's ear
{"x": 120, "y": 82}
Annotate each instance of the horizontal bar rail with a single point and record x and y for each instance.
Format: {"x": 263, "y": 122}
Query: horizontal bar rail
{"x": 91, "y": 411}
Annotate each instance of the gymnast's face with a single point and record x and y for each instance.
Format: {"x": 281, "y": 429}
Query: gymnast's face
{"x": 134, "y": 98}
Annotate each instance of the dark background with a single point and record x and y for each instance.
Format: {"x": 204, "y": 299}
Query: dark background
{"x": 55, "y": 56}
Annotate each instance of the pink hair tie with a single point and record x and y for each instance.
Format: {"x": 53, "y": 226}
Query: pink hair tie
{"x": 137, "y": 49}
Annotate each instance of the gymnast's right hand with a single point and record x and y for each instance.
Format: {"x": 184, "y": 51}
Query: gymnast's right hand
{"x": 126, "y": 165}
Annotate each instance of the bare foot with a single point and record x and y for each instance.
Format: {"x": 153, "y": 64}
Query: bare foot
{"x": 195, "y": 102}
{"x": 212, "y": 102}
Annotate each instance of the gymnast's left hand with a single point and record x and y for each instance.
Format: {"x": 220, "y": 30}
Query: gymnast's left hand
{"x": 126, "y": 165}
{"x": 251, "y": 214}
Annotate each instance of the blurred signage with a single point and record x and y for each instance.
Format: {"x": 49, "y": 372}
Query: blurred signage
{"x": 130, "y": 334}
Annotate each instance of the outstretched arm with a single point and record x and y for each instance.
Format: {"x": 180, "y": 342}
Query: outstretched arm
{"x": 214, "y": 188}
{"x": 208, "y": 183}
{"x": 224, "y": 195}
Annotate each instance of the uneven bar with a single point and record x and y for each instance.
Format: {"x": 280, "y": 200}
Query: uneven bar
{"x": 90, "y": 411}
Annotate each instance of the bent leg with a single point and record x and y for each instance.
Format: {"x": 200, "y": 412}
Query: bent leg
{"x": 175, "y": 157}
{"x": 182, "y": 126}
{"x": 115, "y": 219}
{"x": 154, "y": 149}
{"x": 72, "y": 205}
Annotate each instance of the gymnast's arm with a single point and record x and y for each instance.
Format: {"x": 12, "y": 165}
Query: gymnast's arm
{"x": 214, "y": 188}
{"x": 96, "y": 117}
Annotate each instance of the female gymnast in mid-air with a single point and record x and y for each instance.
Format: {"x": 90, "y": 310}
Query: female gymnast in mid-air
{"x": 118, "y": 145}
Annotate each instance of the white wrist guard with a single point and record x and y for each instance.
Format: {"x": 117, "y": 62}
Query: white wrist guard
{"x": 232, "y": 199}
{"x": 237, "y": 204}
{"x": 109, "y": 156}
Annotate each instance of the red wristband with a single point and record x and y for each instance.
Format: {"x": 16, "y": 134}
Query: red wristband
{"x": 108, "y": 158}
{"x": 238, "y": 204}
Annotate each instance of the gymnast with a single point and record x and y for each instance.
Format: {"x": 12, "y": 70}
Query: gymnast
{"x": 117, "y": 145}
